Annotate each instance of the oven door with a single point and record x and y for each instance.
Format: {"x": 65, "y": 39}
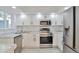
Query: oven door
{"x": 46, "y": 40}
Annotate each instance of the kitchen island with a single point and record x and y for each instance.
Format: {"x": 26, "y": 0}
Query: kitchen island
{"x": 10, "y": 40}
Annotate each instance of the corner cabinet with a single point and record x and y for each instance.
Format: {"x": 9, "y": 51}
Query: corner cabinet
{"x": 31, "y": 40}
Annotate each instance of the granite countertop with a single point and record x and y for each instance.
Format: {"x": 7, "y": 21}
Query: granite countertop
{"x": 9, "y": 35}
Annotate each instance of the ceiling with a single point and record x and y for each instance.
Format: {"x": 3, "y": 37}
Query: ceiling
{"x": 32, "y": 9}
{"x": 41, "y": 9}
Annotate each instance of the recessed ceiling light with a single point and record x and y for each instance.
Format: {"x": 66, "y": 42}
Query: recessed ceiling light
{"x": 23, "y": 15}
{"x": 13, "y": 7}
{"x": 39, "y": 15}
{"x": 52, "y": 15}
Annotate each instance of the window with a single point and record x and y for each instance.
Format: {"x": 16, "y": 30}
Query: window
{"x": 2, "y": 24}
{"x": 8, "y": 21}
{"x": 5, "y": 20}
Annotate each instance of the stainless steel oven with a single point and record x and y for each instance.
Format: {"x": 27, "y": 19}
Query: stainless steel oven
{"x": 46, "y": 40}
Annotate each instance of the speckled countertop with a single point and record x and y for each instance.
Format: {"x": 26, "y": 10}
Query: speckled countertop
{"x": 9, "y": 35}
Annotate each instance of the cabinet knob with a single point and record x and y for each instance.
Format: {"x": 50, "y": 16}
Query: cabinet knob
{"x": 34, "y": 39}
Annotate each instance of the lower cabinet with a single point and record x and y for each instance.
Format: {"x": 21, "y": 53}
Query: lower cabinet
{"x": 30, "y": 40}
{"x": 58, "y": 40}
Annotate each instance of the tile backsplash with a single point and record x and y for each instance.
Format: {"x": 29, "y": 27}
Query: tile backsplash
{"x": 24, "y": 29}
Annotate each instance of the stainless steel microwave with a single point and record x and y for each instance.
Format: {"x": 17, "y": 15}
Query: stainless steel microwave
{"x": 48, "y": 22}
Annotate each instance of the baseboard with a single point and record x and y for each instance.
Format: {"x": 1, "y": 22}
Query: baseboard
{"x": 45, "y": 45}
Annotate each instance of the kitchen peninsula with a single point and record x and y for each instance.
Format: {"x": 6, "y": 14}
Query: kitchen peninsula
{"x": 13, "y": 42}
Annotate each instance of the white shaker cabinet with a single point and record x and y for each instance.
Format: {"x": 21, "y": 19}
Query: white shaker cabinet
{"x": 31, "y": 40}
{"x": 27, "y": 40}
{"x": 36, "y": 40}
{"x": 55, "y": 41}
{"x": 58, "y": 40}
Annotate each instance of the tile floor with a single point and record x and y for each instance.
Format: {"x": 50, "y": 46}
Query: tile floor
{"x": 41, "y": 50}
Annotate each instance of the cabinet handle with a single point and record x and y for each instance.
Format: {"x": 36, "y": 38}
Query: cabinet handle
{"x": 34, "y": 39}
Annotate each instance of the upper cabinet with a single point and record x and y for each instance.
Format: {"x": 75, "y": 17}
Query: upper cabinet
{"x": 23, "y": 21}
{"x": 59, "y": 20}
{"x": 56, "y": 19}
{"x": 35, "y": 20}
{"x": 31, "y": 19}
{"x": 28, "y": 20}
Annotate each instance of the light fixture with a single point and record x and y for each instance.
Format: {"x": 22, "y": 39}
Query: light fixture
{"x": 39, "y": 15}
{"x": 23, "y": 15}
{"x": 13, "y": 7}
{"x": 52, "y": 15}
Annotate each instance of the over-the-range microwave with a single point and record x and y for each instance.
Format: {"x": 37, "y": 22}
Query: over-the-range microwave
{"x": 45, "y": 22}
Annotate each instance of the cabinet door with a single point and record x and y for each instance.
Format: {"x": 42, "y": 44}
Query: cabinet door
{"x": 36, "y": 40}
{"x": 60, "y": 40}
{"x": 31, "y": 40}
{"x": 28, "y": 40}
{"x": 55, "y": 41}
